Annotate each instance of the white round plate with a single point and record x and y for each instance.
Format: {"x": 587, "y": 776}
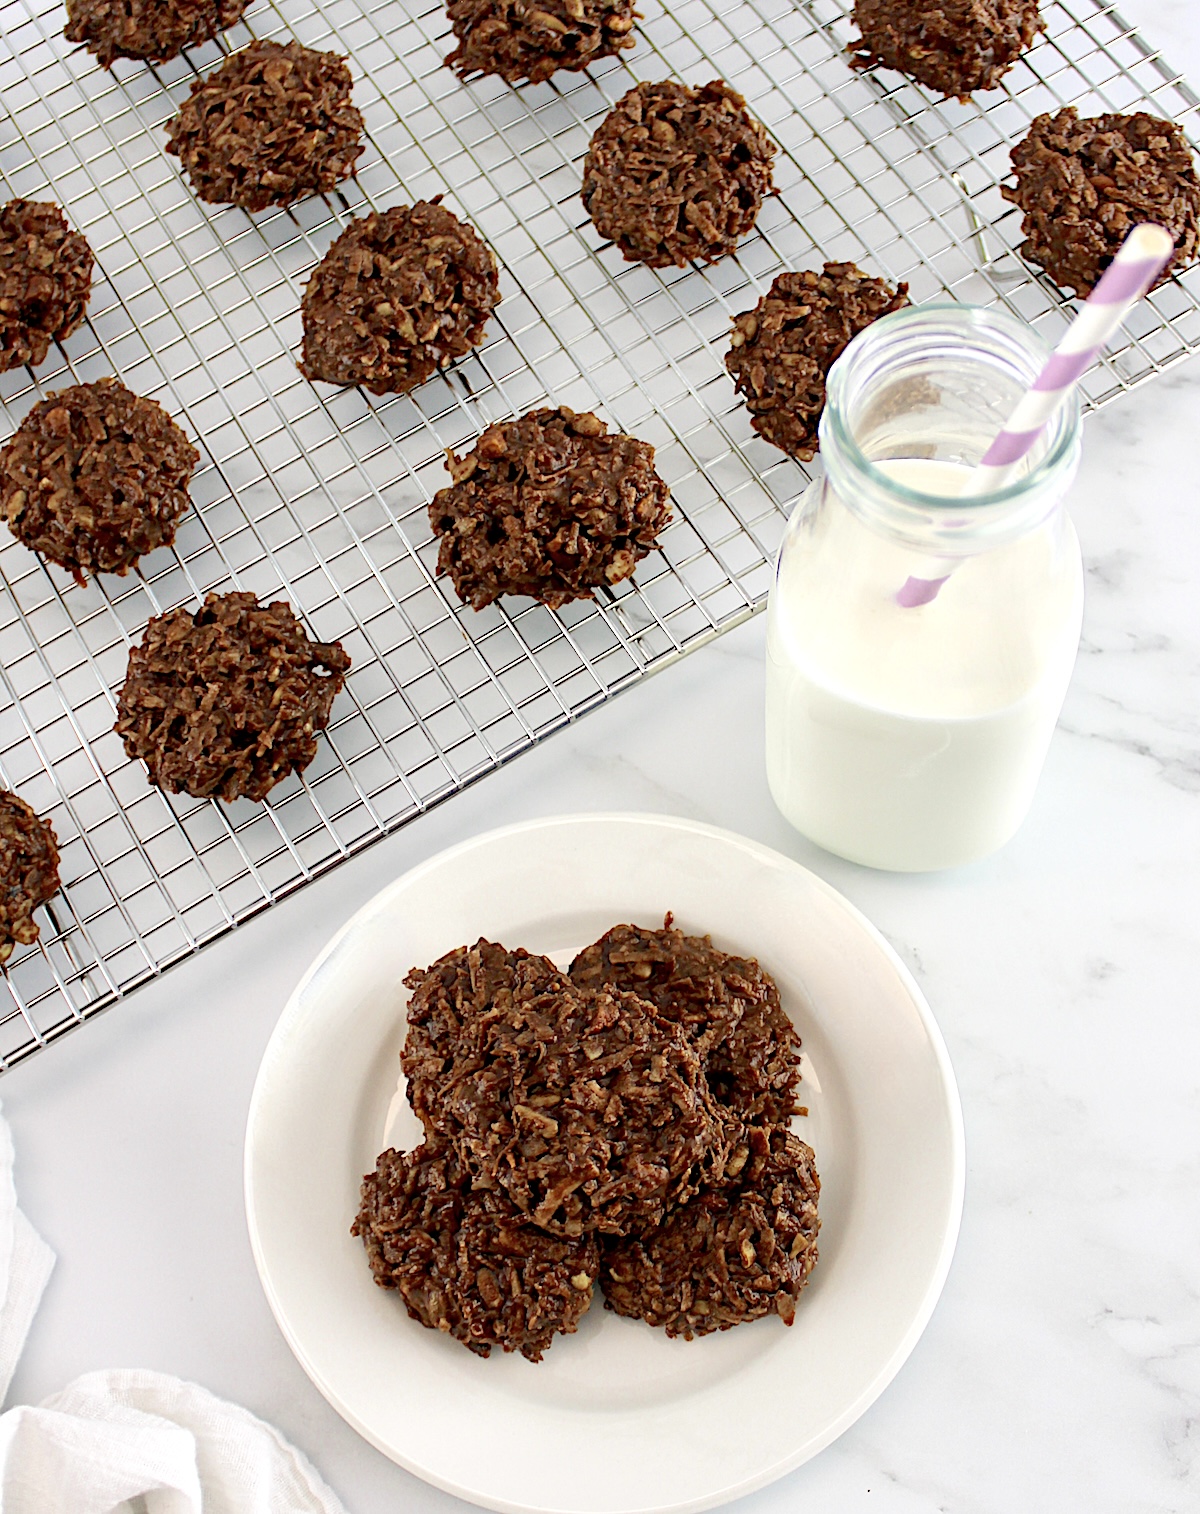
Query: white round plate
{"x": 617, "y": 1419}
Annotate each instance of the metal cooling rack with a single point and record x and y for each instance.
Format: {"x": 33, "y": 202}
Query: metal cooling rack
{"x": 320, "y": 494}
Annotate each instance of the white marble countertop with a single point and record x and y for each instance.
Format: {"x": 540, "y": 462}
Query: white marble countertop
{"x": 1061, "y": 1370}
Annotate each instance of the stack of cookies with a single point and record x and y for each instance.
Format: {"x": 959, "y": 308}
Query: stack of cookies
{"x": 623, "y": 1125}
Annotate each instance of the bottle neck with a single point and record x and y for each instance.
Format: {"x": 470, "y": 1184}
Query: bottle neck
{"x": 936, "y": 383}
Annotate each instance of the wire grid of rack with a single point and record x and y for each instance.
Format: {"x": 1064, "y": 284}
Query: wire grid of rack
{"x": 320, "y": 494}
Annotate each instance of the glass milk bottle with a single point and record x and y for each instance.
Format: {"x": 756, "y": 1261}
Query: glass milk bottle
{"x": 919, "y": 645}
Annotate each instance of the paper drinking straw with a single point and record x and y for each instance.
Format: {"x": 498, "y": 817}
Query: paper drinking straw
{"x": 1141, "y": 258}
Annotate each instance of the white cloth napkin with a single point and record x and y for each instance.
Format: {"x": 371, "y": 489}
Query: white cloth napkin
{"x": 128, "y": 1442}
{"x": 112, "y": 1437}
{"x": 26, "y": 1263}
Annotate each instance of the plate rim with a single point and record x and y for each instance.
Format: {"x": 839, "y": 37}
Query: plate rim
{"x": 938, "y": 1274}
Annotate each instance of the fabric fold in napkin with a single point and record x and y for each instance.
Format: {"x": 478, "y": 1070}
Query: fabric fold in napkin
{"x": 26, "y": 1263}
{"x": 128, "y": 1442}
{"x": 111, "y": 1437}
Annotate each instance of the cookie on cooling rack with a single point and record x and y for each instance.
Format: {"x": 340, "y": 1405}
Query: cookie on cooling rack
{"x": 675, "y": 174}
{"x": 728, "y": 1006}
{"x": 28, "y": 871}
{"x": 521, "y": 41}
{"x": 951, "y": 46}
{"x": 730, "y": 1254}
{"x": 465, "y": 1260}
{"x": 1084, "y": 183}
{"x": 552, "y": 505}
{"x": 226, "y": 701}
{"x": 149, "y": 29}
{"x": 780, "y": 353}
{"x": 45, "y": 281}
{"x": 398, "y": 296}
{"x": 95, "y": 477}
{"x": 274, "y": 123}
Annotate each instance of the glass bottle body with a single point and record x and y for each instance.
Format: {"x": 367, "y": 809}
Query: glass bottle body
{"x": 912, "y": 736}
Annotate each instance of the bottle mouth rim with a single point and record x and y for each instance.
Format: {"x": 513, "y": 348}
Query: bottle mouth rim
{"x": 837, "y": 440}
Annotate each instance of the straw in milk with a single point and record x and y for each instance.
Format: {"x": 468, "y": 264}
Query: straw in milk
{"x": 1142, "y": 257}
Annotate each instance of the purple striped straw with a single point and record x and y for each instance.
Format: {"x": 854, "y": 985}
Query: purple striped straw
{"x": 1143, "y": 255}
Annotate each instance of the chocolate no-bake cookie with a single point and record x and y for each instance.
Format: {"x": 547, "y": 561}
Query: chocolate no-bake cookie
{"x": 447, "y": 1000}
{"x": 274, "y": 123}
{"x": 551, "y": 505}
{"x": 731, "y": 1254}
{"x": 466, "y": 1261}
{"x": 589, "y": 1109}
{"x": 780, "y": 353}
{"x": 532, "y": 39}
{"x": 674, "y": 174}
{"x": 951, "y": 46}
{"x": 1083, "y": 184}
{"x": 45, "y": 281}
{"x": 728, "y": 1006}
{"x": 226, "y": 701}
{"x": 28, "y": 871}
{"x": 95, "y": 477}
{"x": 398, "y": 296}
{"x": 155, "y": 30}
